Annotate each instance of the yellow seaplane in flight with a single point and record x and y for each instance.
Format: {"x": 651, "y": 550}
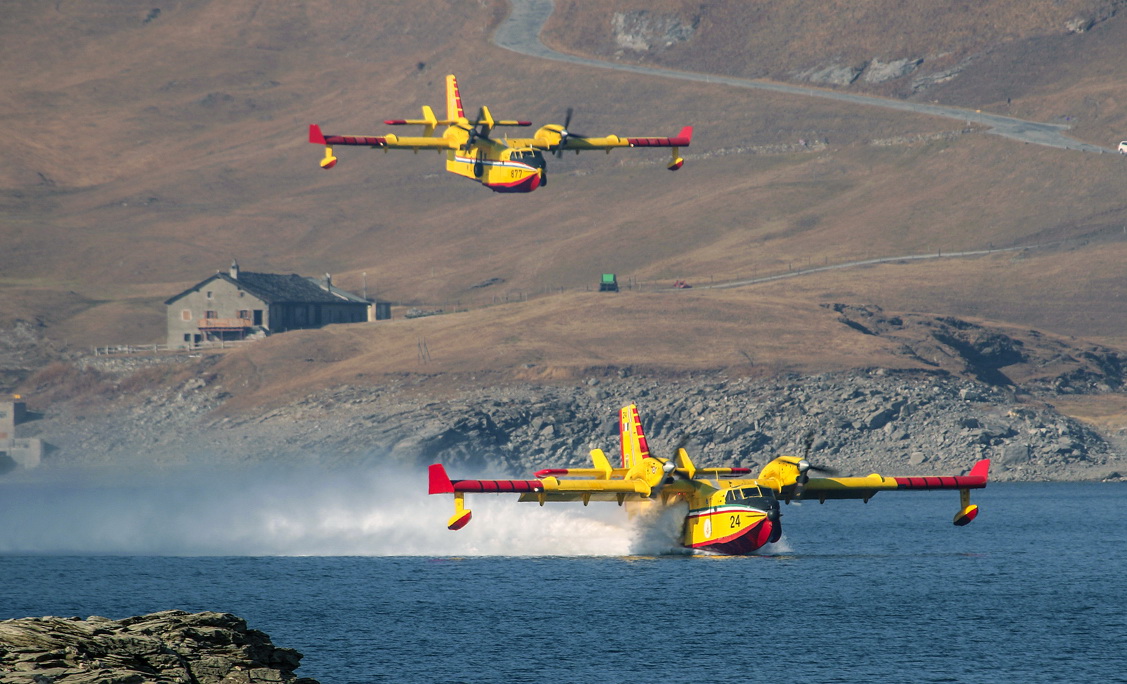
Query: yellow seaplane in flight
{"x": 727, "y": 513}
{"x": 500, "y": 164}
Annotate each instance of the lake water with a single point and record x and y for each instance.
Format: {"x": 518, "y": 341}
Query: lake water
{"x": 358, "y": 573}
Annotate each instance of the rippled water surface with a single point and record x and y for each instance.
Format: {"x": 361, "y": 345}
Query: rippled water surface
{"x": 1034, "y": 590}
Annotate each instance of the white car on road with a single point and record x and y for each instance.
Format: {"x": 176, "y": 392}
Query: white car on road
{"x": 1123, "y": 147}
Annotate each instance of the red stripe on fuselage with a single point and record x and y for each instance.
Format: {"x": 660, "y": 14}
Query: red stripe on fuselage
{"x": 524, "y": 185}
{"x": 744, "y": 542}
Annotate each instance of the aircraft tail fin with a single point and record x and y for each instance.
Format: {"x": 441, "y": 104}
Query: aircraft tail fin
{"x": 633, "y": 438}
{"x": 454, "y": 110}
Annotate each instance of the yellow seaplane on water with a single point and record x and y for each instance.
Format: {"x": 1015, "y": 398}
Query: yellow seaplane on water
{"x": 502, "y": 165}
{"x": 727, "y": 513}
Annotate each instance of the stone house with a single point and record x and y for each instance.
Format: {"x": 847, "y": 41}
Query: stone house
{"x": 16, "y": 452}
{"x": 240, "y": 304}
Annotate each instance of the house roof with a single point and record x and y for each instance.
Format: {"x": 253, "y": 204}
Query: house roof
{"x": 343, "y": 294}
{"x": 275, "y": 288}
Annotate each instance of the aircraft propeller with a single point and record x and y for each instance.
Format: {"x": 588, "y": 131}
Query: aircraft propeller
{"x": 477, "y": 130}
{"x": 670, "y": 466}
{"x": 805, "y": 467}
{"x": 565, "y": 133}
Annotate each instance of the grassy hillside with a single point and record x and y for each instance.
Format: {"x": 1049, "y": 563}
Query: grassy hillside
{"x": 151, "y": 148}
{"x": 1060, "y": 60}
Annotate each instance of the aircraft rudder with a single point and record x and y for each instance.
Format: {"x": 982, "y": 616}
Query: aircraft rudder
{"x": 454, "y": 110}
{"x": 632, "y": 437}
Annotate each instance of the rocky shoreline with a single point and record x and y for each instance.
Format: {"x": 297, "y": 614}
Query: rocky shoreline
{"x": 172, "y": 646}
{"x": 895, "y": 423}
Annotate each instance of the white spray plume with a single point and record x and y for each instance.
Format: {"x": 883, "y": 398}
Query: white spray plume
{"x": 379, "y": 512}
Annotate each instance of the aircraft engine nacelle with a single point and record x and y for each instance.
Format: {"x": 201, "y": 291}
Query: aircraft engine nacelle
{"x": 784, "y": 470}
{"x": 550, "y": 135}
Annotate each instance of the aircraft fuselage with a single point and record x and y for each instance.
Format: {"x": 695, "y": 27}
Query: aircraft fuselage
{"x": 499, "y": 168}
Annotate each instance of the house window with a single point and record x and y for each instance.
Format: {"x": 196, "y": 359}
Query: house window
{"x": 185, "y": 314}
{"x": 244, "y": 314}
{"x": 211, "y": 314}
{"x": 209, "y": 294}
{"x": 241, "y": 293}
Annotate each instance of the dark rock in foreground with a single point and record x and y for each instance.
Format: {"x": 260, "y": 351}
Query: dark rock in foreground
{"x": 171, "y": 646}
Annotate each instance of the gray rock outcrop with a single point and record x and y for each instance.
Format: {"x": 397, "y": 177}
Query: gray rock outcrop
{"x": 172, "y": 646}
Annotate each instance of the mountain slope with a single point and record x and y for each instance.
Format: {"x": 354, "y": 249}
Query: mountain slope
{"x": 166, "y": 143}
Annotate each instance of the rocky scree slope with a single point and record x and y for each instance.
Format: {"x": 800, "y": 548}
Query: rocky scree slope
{"x": 895, "y": 423}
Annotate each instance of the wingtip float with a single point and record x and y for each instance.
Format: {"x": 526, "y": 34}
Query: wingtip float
{"x": 728, "y": 513}
{"x": 506, "y": 164}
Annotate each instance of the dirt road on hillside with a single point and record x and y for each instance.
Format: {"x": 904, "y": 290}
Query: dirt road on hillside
{"x": 520, "y": 32}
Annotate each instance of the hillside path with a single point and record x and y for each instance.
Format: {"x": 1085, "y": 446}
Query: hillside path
{"x": 520, "y": 32}
{"x": 869, "y": 262}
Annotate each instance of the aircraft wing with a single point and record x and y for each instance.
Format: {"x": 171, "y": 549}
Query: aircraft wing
{"x": 549, "y": 488}
{"x": 823, "y": 488}
{"x": 578, "y": 143}
{"x": 389, "y": 141}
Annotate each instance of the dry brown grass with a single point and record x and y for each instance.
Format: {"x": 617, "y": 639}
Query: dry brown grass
{"x": 1107, "y": 412}
{"x": 562, "y": 337}
{"x": 161, "y": 150}
{"x": 1019, "y": 58}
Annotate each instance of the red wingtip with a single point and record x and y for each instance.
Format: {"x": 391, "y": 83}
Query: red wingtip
{"x": 439, "y": 481}
{"x": 315, "y": 135}
{"x": 980, "y": 469}
{"x": 685, "y": 136}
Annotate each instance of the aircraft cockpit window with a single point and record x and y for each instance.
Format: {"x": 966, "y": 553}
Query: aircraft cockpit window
{"x": 528, "y": 156}
{"x": 737, "y": 495}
